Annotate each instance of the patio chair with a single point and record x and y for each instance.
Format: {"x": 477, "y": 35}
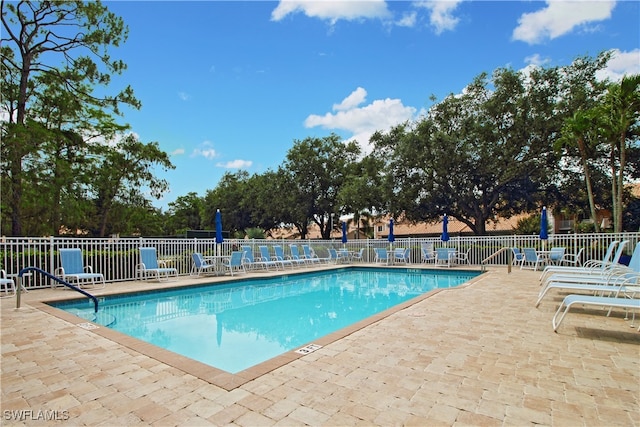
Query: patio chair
{"x": 267, "y": 258}
{"x": 72, "y": 268}
{"x": 280, "y": 256}
{"x": 150, "y": 266}
{"x": 517, "y": 256}
{"x": 463, "y": 257}
{"x": 250, "y": 262}
{"x": 382, "y": 256}
{"x": 532, "y": 259}
{"x": 234, "y": 262}
{"x": 296, "y": 256}
{"x": 444, "y": 256}
{"x": 573, "y": 259}
{"x": 7, "y": 286}
{"x": 200, "y": 265}
{"x": 337, "y": 256}
{"x": 427, "y": 254}
{"x": 358, "y": 256}
{"x": 401, "y": 255}
{"x": 311, "y": 257}
{"x": 556, "y": 255}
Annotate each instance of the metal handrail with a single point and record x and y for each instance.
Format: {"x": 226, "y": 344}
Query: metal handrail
{"x": 495, "y": 254}
{"x": 57, "y": 279}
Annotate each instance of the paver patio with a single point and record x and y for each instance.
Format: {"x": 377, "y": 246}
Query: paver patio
{"x": 477, "y": 355}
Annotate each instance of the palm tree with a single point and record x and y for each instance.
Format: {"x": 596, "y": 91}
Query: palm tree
{"x": 578, "y": 131}
{"x": 621, "y": 110}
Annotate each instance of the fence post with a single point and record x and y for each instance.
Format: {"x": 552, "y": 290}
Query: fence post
{"x": 51, "y": 256}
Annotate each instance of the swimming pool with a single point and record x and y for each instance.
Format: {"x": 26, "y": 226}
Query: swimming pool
{"x": 240, "y": 324}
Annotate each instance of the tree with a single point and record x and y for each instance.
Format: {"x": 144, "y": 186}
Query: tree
{"x": 578, "y": 93}
{"x": 229, "y": 197}
{"x": 475, "y": 156}
{"x": 359, "y": 193}
{"x": 579, "y": 130}
{"x": 185, "y": 213}
{"x": 123, "y": 171}
{"x": 621, "y": 110}
{"x": 317, "y": 169}
{"x": 76, "y": 33}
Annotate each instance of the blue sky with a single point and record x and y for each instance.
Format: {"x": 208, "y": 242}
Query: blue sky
{"x": 229, "y": 85}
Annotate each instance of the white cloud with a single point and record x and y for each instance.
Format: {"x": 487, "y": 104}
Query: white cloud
{"x": 559, "y": 18}
{"x": 236, "y": 164}
{"x": 407, "y": 20}
{"x": 184, "y": 96}
{"x": 177, "y": 152}
{"x": 363, "y": 121}
{"x": 441, "y": 15}
{"x": 620, "y": 64}
{"x": 332, "y": 10}
{"x": 536, "y": 60}
{"x": 205, "y": 150}
{"x": 356, "y": 98}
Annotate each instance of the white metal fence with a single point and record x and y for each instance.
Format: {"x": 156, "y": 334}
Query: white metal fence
{"x": 116, "y": 258}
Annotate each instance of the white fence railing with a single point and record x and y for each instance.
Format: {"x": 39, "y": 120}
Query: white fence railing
{"x": 117, "y": 258}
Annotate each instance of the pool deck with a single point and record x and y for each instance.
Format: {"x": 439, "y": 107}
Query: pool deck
{"x": 481, "y": 354}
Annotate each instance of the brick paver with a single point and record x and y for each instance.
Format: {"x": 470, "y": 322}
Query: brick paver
{"x": 478, "y": 355}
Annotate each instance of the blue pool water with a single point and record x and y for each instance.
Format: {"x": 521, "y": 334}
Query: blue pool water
{"x": 237, "y": 325}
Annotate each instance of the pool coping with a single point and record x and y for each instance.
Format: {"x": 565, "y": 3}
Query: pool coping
{"x": 218, "y": 377}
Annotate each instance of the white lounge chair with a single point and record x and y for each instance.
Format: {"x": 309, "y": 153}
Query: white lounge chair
{"x": 72, "y": 269}
{"x": 600, "y": 274}
{"x": 591, "y": 300}
{"x": 150, "y": 266}
{"x": 588, "y": 266}
{"x": 615, "y": 284}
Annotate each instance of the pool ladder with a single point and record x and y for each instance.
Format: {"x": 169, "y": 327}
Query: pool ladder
{"x": 57, "y": 279}
{"x": 495, "y": 254}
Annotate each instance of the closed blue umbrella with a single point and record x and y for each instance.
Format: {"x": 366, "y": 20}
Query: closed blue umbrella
{"x": 445, "y": 233}
{"x": 219, "y": 238}
{"x": 544, "y": 225}
{"x": 344, "y": 232}
{"x": 391, "y": 237}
